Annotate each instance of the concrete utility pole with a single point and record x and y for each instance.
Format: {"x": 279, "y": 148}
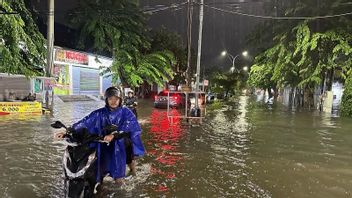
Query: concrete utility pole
{"x": 50, "y": 38}
{"x": 201, "y": 13}
{"x": 189, "y": 42}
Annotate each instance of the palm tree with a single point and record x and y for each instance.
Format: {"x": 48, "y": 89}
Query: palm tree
{"x": 118, "y": 27}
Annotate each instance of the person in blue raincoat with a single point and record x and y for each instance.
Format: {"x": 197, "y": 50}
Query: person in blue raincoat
{"x": 112, "y": 158}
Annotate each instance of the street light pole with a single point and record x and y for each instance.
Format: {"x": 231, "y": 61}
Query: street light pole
{"x": 50, "y": 39}
{"x": 201, "y": 10}
{"x": 233, "y": 58}
{"x": 189, "y": 42}
{"x": 233, "y": 62}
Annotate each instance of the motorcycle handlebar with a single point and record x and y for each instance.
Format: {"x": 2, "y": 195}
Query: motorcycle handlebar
{"x": 120, "y": 134}
{"x": 85, "y": 139}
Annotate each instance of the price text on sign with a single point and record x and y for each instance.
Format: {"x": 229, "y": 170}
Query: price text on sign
{"x": 21, "y": 107}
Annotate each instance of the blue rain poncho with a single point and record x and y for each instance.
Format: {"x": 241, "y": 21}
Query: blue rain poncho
{"x": 112, "y": 158}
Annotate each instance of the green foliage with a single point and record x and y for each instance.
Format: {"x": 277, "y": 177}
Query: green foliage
{"x": 346, "y": 103}
{"x": 164, "y": 40}
{"x": 111, "y": 24}
{"x": 217, "y": 104}
{"x": 22, "y": 48}
{"x": 302, "y": 51}
{"x": 261, "y": 73}
{"x": 218, "y": 89}
{"x": 225, "y": 82}
{"x": 151, "y": 68}
{"x": 119, "y": 28}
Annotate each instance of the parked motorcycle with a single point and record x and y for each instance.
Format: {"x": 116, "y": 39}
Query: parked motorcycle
{"x": 80, "y": 160}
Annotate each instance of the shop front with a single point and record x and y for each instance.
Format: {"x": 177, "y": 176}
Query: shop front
{"x": 78, "y": 73}
{"x": 86, "y": 81}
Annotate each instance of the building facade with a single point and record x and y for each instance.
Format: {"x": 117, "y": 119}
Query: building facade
{"x": 78, "y": 73}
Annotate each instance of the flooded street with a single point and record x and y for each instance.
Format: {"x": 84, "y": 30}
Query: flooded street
{"x": 247, "y": 150}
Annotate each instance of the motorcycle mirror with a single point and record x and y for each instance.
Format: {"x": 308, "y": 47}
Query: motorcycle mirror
{"x": 58, "y": 125}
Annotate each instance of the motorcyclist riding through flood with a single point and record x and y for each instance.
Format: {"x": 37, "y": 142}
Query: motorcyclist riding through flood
{"x": 112, "y": 157}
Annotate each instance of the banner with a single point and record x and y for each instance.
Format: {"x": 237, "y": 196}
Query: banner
{"x": 71, "y": 57}
{"x": 76, "y": 57}
{"x": 21, "y": 107}
{"x": 62, "y": 76}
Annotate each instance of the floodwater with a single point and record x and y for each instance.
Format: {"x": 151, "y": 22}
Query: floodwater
{"x": 244, "y": 150}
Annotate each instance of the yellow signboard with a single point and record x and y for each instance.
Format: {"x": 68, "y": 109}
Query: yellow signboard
{"x": 60, "y": 55}
{"x": 21, "y": 107}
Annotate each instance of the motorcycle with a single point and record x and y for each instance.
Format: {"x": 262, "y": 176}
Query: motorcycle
{"x": 132, "y": 106}
{"x": 80, "y": 160}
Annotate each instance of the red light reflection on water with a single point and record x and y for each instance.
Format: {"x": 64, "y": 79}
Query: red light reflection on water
{"x": 161, "y": 188}
{"x": 169, "y": 159}
{"x": 163, "y": 128}
{"x": 166, "y": 134}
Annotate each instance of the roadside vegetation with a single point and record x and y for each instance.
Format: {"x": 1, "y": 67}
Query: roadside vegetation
{"x": 304, "y": 54}
{"x": 22, "y": 46}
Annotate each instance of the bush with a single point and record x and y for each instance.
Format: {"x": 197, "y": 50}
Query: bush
{"x": 215, "y": 105}
{"x": 346, "y": 103}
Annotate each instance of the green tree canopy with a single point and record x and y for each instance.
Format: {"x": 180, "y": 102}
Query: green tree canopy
{"x": 226, "y": 82}
{"x": 165, "y": 40}
{"x": 301, "y": 52}
{"x": 22, "y": 46}
{"x": 346, "y": 106}
{"x": 119, "y": 28}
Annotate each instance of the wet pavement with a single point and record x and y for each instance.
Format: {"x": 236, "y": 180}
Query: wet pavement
{"x": 246, "y": 150}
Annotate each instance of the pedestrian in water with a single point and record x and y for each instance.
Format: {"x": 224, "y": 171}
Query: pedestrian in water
{"x": 112, "y": 158}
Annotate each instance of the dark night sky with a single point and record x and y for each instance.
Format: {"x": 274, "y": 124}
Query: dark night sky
{"x": 220, "y": 30}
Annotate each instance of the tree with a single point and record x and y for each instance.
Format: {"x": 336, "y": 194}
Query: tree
{"x": 119, "y": 28}
{"x": 226, "y": 82}
{"x": 22, "y": 46}
{"x": 165, "y": 40}
{"x": 303, "y": 52}
{"x": 346, "y": 106}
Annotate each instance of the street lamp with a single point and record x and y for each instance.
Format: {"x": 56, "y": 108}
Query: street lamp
{"x": 233, "y": 58}
{"x": 245, "y": 68}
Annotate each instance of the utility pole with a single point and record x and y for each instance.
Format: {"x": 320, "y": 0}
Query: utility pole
{"x": 50, "y": 48}
{"x": 201, "y": 13}
{"x": 189, "y": 42}
{"x": 50, "y": 38}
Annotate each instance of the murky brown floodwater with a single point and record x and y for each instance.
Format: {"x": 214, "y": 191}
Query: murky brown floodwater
{"x": 252, "y": 151}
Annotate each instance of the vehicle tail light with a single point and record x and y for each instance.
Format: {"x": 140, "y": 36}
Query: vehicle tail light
{"x": 175, "y": 97}
{"x": 155, "y": 97}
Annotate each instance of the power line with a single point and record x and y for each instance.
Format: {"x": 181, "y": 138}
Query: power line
{"x": 277, "y": 18}
{"x": 165, "y": 8}
{"x": 149, "y": 11}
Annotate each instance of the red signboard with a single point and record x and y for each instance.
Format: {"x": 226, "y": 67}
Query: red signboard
{"x": 76, "y": 57}
{"x": 71, "y": 57}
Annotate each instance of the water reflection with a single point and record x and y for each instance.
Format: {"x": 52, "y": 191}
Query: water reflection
{"x": 230, "y": 141}
{"x": 166, "y": 133}
{"x": 241, "y": 150}
{"x": 298, "y": 154}
{"x": 27, "y": 167}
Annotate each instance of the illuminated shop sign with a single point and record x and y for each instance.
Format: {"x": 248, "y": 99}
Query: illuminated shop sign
{"x": 71, "y": 57}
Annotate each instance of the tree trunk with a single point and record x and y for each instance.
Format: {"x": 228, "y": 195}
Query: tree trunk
{"x": 270, "y": 95}
{"x": 144, "y": 90}
{"x": 308, "y": 98}
{"x": 276, "y": 94}
{"x": 292, "y": 97}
